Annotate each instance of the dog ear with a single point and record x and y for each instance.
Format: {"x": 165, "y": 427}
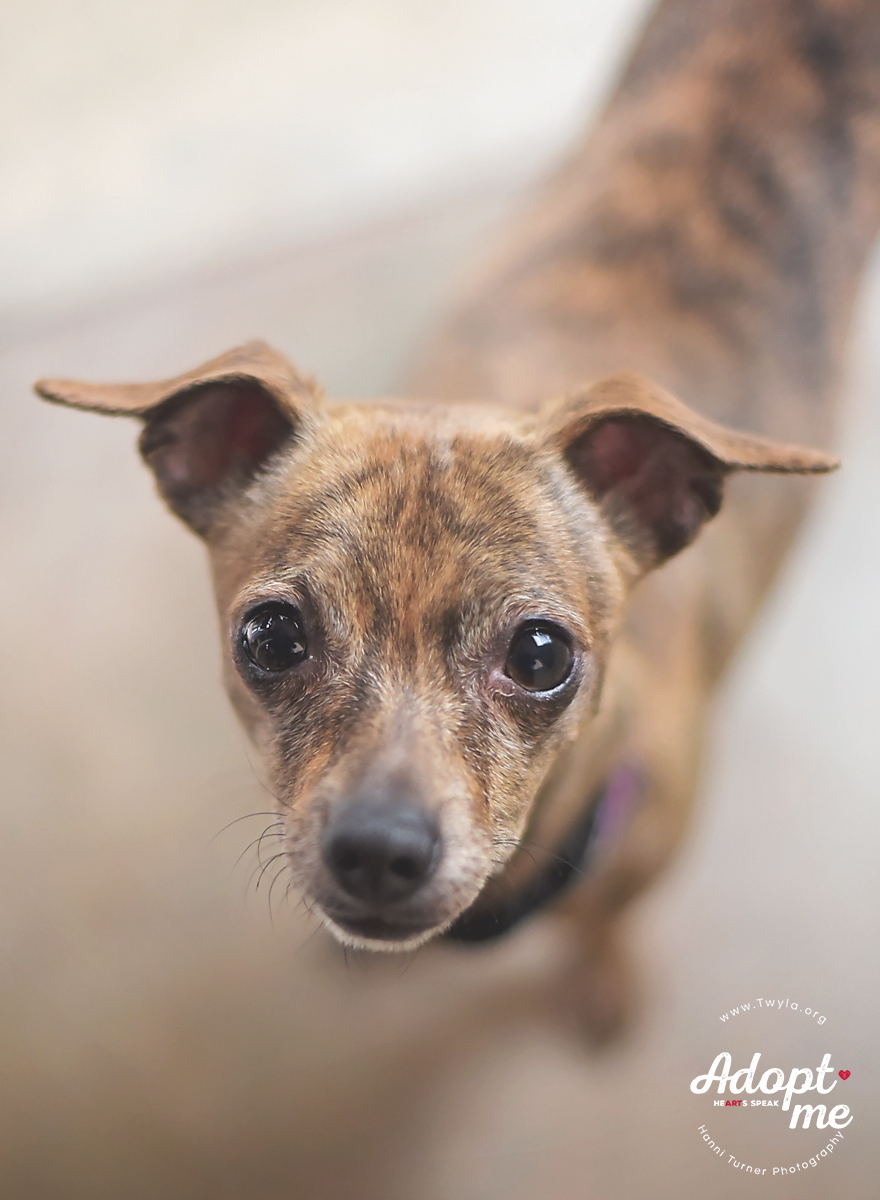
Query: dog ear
{"x": 655, "y": 467}
{"x": 208, "y": 432}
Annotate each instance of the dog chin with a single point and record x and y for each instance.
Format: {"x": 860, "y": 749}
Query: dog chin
{"x": 373, "y": 933}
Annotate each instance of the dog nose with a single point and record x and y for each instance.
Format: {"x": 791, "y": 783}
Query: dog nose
{"x": 381, "y": 854}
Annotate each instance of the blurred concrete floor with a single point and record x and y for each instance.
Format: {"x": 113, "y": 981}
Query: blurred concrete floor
{"x": 160, "y": 1037}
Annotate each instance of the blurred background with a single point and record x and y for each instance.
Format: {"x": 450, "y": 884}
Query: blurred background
{"x": 176, "y": 178}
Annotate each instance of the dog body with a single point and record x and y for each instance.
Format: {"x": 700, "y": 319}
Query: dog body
{"x": 711, "y": 233}
{"x": 427, "y": 605}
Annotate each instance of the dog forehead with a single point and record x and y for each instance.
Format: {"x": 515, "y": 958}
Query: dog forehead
{"x": 402, "y": 492}
{"x": 418, "y": 515}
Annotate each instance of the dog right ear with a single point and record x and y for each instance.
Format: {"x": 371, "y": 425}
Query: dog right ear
{"x": 656, "y": 468}
{"x": 206, "y": 433}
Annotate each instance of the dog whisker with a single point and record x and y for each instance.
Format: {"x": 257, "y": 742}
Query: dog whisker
{"x": 275, "y": 830}
{"x": 265, "y": 867}
{"x": 526, "y": 847}
{"x": 284, "y": 867}
{"x": 410, "y": 959}
{"x": 258, "y": 841}
{"x": 313, "y": 934}
{"x": 246, "y": 817}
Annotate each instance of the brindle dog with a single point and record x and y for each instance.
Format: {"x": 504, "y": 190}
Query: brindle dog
{"x": 426, "y": 604}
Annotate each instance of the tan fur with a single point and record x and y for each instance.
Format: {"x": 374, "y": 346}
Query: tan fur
{"x": 708, "y": 235}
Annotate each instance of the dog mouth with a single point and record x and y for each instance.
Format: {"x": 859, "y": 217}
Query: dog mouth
{"x": 377, "y": 932}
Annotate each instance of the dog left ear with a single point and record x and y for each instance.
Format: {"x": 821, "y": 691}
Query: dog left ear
{"x": 208, "y": 432}
{"x": 655, "y": 467}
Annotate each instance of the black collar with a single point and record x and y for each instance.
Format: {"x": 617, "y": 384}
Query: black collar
{"x": 567, "y": 863}
{"x": 602, "y": 821}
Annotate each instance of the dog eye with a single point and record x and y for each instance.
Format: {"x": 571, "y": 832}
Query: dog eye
{"x": 273, "y": 637}
{"x": 539, "y": 659}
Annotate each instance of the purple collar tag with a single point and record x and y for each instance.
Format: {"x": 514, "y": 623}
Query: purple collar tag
{"x": 622, "y": 796}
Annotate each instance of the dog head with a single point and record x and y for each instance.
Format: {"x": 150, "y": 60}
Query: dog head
{"x": 417, "y": 602}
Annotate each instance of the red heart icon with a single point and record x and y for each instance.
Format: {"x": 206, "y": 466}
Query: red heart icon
{"x": 843, "y": 1074}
